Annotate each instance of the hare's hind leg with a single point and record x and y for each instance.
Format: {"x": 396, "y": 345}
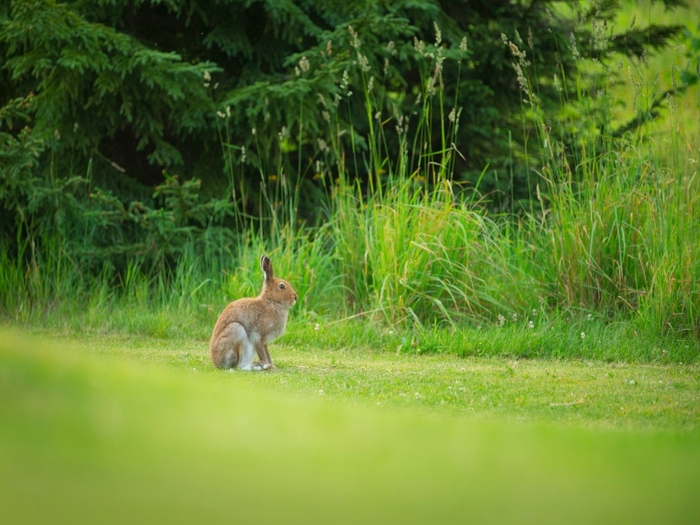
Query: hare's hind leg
{"x": 250, "y": 351}
{"x": 229, "y": 349}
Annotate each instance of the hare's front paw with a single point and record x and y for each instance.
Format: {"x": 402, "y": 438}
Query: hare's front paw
{"x": 262, "y": 365}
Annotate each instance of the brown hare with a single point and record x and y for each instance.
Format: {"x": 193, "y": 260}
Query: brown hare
{"x": 247, "y": 325}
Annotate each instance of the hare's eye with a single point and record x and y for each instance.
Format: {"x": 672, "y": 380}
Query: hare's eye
{"x": 282, "y": 286}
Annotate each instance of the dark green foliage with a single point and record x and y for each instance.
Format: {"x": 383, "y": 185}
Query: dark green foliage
{"x": 95, "y": 83}
{"x": 43, "y": 212}
{"x": 126, "y": 81}
{"x": 691, "y": 74}
{"x": 19, "y": 151}
{"x": 160, "y": 233}
{"x": 103, "y": 99}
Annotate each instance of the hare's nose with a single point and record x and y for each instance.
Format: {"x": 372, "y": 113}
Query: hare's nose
{"x": 296, "y": 297}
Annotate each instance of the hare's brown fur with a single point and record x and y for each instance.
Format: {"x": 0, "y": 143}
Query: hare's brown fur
{"x": 247, "y": 325}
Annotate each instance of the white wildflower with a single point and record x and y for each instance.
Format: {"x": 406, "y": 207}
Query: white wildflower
{"x": 463, "y": 45}
{"x": 431, "y": 86}
{"x": 419, "y": 45}
{"x": 517, "y": 53}
{"x": 355, "y": 38}
{"x": 574, "y": 49}
{"x": 438, "y": 34}
{"x": 522, "y": 81}
{"x": 364, "y": 62}
{"x": 557, "y": 84}
{"x": 452, "y": 116}
{"x": 518, "y": 37}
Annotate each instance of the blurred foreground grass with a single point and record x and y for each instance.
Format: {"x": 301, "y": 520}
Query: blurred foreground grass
{"x": 662, "y": 395}
{"x": 86, "y": 438}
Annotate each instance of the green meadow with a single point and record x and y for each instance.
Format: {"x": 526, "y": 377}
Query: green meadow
{"x": 448, "y": 361}
{"x": 113, "y": 429}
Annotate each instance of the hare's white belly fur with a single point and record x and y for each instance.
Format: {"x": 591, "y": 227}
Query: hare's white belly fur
{"x": 238, "y": 337}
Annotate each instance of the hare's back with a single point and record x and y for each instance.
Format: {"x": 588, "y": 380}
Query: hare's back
{"x": 242, "y": 311}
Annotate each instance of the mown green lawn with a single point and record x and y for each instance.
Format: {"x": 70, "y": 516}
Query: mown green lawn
{"x": 114, "y": 429}
{"x": 585, "y": 393}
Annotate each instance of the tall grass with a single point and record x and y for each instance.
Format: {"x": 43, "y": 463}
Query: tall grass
{"x": 612, "y": 231}
{"x": 624, "y": 238}
{"x": 620, "y": 213}
{"x": 422, "y": 256}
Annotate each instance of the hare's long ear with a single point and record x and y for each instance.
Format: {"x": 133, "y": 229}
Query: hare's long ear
{"x": 266, "y": 265}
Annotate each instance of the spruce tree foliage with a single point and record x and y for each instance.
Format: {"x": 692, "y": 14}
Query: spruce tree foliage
{"x": 103, "y": 99}
{"x": 93, "y": 81}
